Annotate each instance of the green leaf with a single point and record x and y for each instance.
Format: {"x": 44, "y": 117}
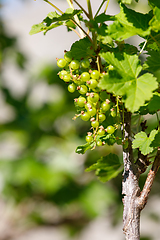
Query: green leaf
{"x": 153, "y": 61}
{"x": 81, "y": 49}
{"x": 104, "y": 18}
{"x": 135, "y": 90}
{"x": 154, "y": 3}
{"x": 55, "y": 17}
{"x": 129, "y": 23}
{"x": 107, "y": 167}
{"x": 153, "y": 42}
{"x": 156, "y": 141}
{"x": 36, "y": 28}
{"x": 143, "y": 142}
{"x": 155, "y": 21}
{"x": 152, "y": 106}
{"x": 83, "y": 148}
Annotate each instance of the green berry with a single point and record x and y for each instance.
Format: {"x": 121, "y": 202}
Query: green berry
{"x": 95, "y": 124}
{"x": 99, "y": 143}
{"x": 95, "y": 74}
{"x": 74, "y": 64}
{"x": 81, "y": 101}
{"x": 85, "y": 76}
{"x": 61, "y": 63}
{"x": 113, "y": 113}
{"x": 83, "y": 89}
{"x": 71, "y": 88}
{"x": 105, "y": 106}
{"x": 85, "y": 116}
{"x": 101, "y": 132}
{"x": 92, "y": 83}
{"x": 102, "y": 117}
{"x": 85, "y": 63}
{"x": 110, "y": 129}
{"x": 92, "y": 111}
{"x": 89, "y": 139}
{"x": 67, "y": 77}
{"x": 93, "y": 97}
{"x": 68, "y": 56}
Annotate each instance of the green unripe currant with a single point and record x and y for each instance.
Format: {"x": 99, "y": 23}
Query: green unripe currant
{"x": 68, "y": 56}
{"x": 71, "y": 88}
{"x": 61, "y": 63}
{"x": 85, "y": 116}
{"x": 74, "y": 64}
{"x": 85, "y": 63}
{"x": 95, "y": 74}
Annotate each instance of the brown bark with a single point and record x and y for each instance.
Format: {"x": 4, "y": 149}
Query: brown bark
{"x": 134, "y": 200}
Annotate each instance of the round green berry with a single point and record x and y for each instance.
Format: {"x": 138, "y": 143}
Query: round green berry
{"x": 101, "y": 132}
{"x": 92, "y": 83}
{"x": 99, "y": 143}
{"x": 71, "y": 88}
{"x": 83, "y": 89}
{"x": 68, "y": 56}
{"x": 110, "y": 129}
{"x": 95, "y": 74}
{"x": 93, "y": 97}
{"x": 95, "y": 124}
{"x": 89, "y": 138}
{"x": 105, "y": 106}
{"x": 81, "y": 101}
{"x": 92, "y": 111}
{"x": 85, "y": 76}
{"x": 61, "y": 63}
{"x": 67, "y": 77}
{"x": 74, "y": 64}
{"x": 85, "y": 63}
{"x": 85, "y": 116}
{"x": 102, "y": 117}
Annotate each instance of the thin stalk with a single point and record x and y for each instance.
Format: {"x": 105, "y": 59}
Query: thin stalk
{"x": 99, "y": 8}
{"x": 54, "y": 6}
{"x": 82, "y": 30}
{"x": 70, "y": 3}
{"x": 81, "y": 8}
{"x": 106, "y": 6}
{"x": 89, "y": 9}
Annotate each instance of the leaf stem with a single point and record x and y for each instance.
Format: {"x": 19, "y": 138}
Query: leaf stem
{"x": 106, "y": 6}
{"x": 99, "y": 8}
{"x": 81, "y": 33}
{"x": 89, "y": 9}
{"x": 53, "y": 6}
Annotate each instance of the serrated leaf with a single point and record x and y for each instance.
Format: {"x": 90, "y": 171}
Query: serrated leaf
{"x": 55, "y": 17}
{"x": 156, "y": 141}
{"x": 152, "y": 106}
{"x": 129, "y": 23}
{"x": 107, "y": 167}
{"x": 153, "y": 61}
{"x": 143, "y": 142}
{"x": 81, "y": 49}
{"x": 83, "y": 148}
{"x": 136, "y": 90}
{"x": 104, "y": 18}
{"x": 155, "y": 21}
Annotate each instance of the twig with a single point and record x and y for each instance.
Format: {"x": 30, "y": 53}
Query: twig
{"x": 142, "y": 199}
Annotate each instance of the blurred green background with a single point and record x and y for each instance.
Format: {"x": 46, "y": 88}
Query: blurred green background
{"x": 43, "y": 182}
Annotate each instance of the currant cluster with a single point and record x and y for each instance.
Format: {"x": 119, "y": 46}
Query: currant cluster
{"x": 93, "y": 104}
